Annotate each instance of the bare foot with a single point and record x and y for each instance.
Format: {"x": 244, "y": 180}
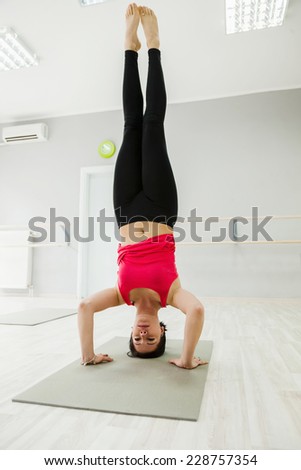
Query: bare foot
{"x": 150, "y": 26}
{"x": 132, "y": 22}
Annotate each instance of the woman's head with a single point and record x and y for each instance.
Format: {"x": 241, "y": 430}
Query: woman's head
{"x": 148, "y": 339}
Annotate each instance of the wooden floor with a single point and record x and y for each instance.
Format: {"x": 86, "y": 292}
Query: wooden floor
{"x": 252, "y": 398}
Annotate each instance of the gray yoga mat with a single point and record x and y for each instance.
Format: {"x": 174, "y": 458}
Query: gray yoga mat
{"x": 35, "y": 316}
{"x": 146, "y": 387}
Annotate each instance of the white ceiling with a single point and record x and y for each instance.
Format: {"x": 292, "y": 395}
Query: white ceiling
{"x": 81, "y": 55}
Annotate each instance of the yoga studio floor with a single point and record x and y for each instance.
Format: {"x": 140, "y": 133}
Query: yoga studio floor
{"x": 252, "y": 397}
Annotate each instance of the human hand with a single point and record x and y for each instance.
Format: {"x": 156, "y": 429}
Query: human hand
{"x": 102, "y": 358}
{"x": 195, "y": 362}
{"x": 97, "y": 359}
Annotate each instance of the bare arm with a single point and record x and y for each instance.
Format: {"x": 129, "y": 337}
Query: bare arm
{"x": 194, "y": 310}
{"x": 95, "y": 303}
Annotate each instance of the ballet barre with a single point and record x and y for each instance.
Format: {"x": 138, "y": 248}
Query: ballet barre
{"x": 35, "y": 245}
{"x": 230, "y": 242}
{"x": 275, "y": 217}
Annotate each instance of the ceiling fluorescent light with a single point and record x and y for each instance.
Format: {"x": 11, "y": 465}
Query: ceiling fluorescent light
{"x": 13, "y": 52}
{"x": 246, "y": 15}
{"x": 86, "y": 3}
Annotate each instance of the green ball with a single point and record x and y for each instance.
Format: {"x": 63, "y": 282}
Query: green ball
{"x": 106, "y": 149}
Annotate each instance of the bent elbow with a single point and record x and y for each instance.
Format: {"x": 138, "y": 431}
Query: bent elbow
{"x": 200, "y": 310}
{"x": 83, "y": 305}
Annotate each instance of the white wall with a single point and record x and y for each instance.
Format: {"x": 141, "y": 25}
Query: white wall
{"x": 228, "y": 155}
{"x": 38, "y": 176}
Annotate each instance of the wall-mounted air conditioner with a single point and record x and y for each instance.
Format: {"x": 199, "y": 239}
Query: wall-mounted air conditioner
{"x": 25, "y": 133}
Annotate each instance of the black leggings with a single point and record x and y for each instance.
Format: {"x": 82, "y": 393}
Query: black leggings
{"x": 144, "y": 185}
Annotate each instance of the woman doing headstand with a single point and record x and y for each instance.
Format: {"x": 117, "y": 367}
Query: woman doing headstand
{"x": 145, "y": 203}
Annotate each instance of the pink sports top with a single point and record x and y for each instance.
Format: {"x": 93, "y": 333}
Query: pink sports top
{"x": 148, "y": 264}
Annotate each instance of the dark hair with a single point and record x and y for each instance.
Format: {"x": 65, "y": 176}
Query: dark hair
{"x": 159, "y": 351}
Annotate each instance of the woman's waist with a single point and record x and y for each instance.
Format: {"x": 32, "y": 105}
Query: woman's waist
{"x": 153, "y": 250}
{"x": 142, "y": 230}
